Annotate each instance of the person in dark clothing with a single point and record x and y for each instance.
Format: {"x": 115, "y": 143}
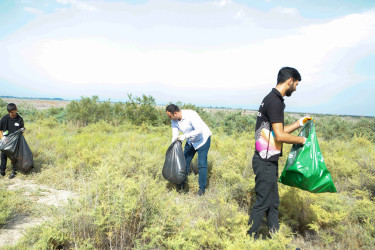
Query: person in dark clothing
{"x": 270, "y": 134}
{"x": 9, "y": 124}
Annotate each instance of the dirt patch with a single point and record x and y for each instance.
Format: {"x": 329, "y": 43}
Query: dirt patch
{"x": 14, "y": 230}
{"x": 45, "y": 195}
{"x": 37, "y": 103}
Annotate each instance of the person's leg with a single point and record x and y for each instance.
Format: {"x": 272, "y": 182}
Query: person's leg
{"x": 3, "y": 163}
{"x": 263, "y": 186}
{"x": 273, "y": 212}
{"x": 202, "y": 165}
{"x": 189, "y": 153}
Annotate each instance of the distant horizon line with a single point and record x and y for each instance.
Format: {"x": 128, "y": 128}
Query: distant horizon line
{"x": 212, "y": 107}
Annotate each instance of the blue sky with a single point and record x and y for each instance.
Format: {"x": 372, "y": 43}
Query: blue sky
{"x": 223, "y": 53}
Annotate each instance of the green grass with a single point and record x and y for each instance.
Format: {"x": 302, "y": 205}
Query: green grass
{"x": 125, "y": 202}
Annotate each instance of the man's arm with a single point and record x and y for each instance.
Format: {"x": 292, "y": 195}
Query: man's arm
{"x": 290, "y": 128}
{"x": 175, "y": 132}
{"x": 1, "y": 134}
{"x": 282, "y": 136}
{"x": 299, "y": 123}
{"x": 197, "y": 124}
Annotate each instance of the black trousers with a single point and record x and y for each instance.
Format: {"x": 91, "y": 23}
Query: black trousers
{"x": 267, "y": 195}
{"x": 4, "y": 163}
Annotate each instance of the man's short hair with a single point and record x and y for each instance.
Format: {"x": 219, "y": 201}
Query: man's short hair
{"x": 287, "y": 72}
{"x": 11, "y": 106}
{"x": 172, "y": 108}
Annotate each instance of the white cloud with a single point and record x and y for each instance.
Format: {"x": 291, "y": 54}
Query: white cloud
{"x": 240, "y": 14}
{"x": 283, "y": 10}
{"x": 175, "y": 46}
{"x": 77, "y": 4}
{"x": 223, "y": 3}
{"x": 33, "y": 10}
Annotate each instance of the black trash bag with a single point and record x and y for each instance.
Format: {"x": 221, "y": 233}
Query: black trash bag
{"x": 174, "y": 169}
{"x": 9, "y": 144}
{"x": 15, "y": 147}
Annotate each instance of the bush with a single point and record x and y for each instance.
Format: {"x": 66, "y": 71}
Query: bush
{"x": 143, "y": 110}
{"x": 3, "y": 108}
{"x": 114, "y": 166}
{"x": 88, "y": 110}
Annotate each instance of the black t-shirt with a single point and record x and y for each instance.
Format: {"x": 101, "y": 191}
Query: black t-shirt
{"x": 270, "y": 111}
{"x": 11, "y": 124}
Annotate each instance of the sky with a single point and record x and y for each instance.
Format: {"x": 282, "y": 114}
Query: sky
{"x": 223, "y": 53}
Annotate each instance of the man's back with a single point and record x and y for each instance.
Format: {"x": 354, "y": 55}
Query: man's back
{"x": 271, "y": 110}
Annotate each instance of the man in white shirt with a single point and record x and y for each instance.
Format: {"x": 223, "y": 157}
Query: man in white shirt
{"x": 198, "y": 139}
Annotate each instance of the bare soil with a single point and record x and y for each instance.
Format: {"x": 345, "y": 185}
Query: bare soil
{"x": 37, "y": 103}
{"x": 15, "y": 228}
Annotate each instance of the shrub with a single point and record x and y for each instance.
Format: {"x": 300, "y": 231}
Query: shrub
{"x": 88, "y": 110}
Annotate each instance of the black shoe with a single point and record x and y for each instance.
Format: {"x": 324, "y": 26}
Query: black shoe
{"x": 2, "y": 173}
{"x": 252, "y": 235}
{"x": 180, "y": 187}
{"x": 201, "y": 192}
{"x": 12, "y": 175}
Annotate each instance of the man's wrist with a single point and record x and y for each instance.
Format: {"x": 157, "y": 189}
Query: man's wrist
{"x": 304, "y": 140}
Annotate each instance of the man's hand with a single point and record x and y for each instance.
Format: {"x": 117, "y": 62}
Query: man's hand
{"x": 304, "y": 119}
{"x": 305, "y": 140}
{"x": 181, "y": 137}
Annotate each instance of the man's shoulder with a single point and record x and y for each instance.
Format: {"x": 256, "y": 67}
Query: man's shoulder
{"x": 189, "y": 112}
{"x": 5, "y": 117}
{"x": 273, "y": 98}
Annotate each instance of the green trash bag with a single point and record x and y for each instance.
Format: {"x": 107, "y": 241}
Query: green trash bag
{"x": 305, "y": 167}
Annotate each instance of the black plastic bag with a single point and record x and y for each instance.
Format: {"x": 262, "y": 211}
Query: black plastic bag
{"x": 15, "y": 147}
{"x": 174, "y": 169}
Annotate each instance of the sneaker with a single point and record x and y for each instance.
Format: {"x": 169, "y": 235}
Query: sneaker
{"x": 12, "y": 175}
{"x": 201, "y": 192}
{"x": 2, "y": 173}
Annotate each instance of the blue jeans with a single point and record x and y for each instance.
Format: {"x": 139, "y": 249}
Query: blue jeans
{"x": 189, "y": 153}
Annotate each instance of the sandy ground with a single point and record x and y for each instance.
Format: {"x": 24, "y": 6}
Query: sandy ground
{"x": 16, "y": 227}
{"x": 37, "y": 103}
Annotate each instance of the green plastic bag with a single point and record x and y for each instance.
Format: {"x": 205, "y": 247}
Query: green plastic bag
{"x": 305, "y": 167}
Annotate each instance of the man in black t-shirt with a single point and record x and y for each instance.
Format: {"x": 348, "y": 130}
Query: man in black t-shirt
{"x": 9, "y": 124}
{"x": 270, "y": 134}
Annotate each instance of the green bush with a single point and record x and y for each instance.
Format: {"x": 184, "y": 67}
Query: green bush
{"x": 114, "y": 167}
{"x": 88, "y": 110}
{"x": 3, "y": 108}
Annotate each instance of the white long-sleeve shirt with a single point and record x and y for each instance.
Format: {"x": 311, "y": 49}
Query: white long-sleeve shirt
{"x": 193, "y": 127}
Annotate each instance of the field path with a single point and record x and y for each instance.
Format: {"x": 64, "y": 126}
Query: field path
{"x": 15, "y": 228}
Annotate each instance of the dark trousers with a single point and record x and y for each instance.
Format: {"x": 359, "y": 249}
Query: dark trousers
{"x": 267, "y": 195}
{"x": 189, "y": 153}
{"x": 4, "y": 163}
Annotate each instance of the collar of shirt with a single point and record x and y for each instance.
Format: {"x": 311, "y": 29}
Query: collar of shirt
{"x": 183, "y": 116}
{"x": 274, "y": 90}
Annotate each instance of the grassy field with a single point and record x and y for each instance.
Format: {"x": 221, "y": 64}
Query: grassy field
{"x": 114, "y": 168}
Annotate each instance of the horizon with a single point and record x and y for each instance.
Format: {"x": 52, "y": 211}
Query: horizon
{"x": 223, "y": 53}
{"x": 164, "y": 104}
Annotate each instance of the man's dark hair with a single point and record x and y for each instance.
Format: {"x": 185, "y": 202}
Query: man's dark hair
{"x": 172, "y": 108}
{"x": 286, "y": 72}
{"x": 11, "y": 106}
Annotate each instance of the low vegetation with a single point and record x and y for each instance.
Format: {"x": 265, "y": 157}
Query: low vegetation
{"x": 111, "y": 156}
